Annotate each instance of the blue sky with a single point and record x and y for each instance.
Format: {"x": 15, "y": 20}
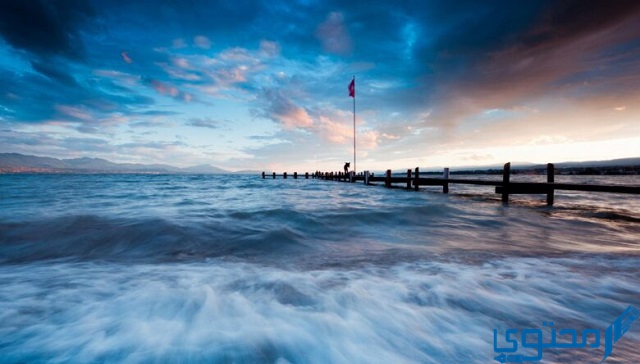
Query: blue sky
{"x": 263, "y": 84}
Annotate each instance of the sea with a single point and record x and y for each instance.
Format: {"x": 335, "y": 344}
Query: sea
{"x": 141, "y": 268}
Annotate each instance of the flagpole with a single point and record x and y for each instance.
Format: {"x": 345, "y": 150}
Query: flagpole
{"x": 354, "y": 127}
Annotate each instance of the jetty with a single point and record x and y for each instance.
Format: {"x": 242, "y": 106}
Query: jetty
{"x": 504, "y": 187}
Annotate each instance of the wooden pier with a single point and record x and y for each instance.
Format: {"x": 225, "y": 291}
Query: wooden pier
{"x": 503, "y": 187}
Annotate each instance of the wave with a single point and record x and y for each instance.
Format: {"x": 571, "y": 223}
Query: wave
{"x": 221, "y": 312}
{"x": 89, "y": 237}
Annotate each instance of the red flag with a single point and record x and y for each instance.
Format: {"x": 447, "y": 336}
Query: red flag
{"x": 352, "y": 88}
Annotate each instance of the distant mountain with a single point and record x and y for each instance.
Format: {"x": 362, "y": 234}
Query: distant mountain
{"x": 623, "y": 162}
{"x": 19, "y": 163}
{"x": 19, "y": 160}
{"x": 205, "y": 169}
{"x": 605, "y": 164}
{"x": 92, "y": 163}
{"x": 247, "y": 171}
{"x": 613, "y": 166}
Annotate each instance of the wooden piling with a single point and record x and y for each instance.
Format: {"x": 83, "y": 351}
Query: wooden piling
{"x": 506, "y": 174}
{"x": 504, "y": 187}
{"x": 445, "y": 185}
{"x": 306, "y": 175}
{"x": 550, "y": 179}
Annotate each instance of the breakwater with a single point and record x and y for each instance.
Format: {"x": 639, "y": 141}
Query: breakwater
{"x": 505, "y": 187}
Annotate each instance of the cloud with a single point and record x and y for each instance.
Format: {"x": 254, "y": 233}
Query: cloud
{"x": 335, "y": 127}
{"x": 126, "y": 58}
{"x": 54, "y": 72}
{"x": 284, "y": 111}
{"x": 338, "y": 132}
{"x": 334, "y": 35}
{"x": 178, "y": 70}
{"x": 575, "y": 19}
{"x": 74, "y": 112}
{"x": 205, "y": 123}
{"x": 179, "y": 43}
{"x": 500, "y": 73}
{"x": 167, "y": 89}
{"x": 201, "y": 41}
{"x": 269, "y": 48}
{"x": 45, "y": 28}
{"x": 555, "y": 51}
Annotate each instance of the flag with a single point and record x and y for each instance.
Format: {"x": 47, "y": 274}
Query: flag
{"x": 352, "y": 88}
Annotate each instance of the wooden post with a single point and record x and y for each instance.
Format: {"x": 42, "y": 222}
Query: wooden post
{"x": 506, "y": 174}
{"x": 408, "y": 179}
{"x": 274, "y": 175}
{"x": 263, "y": 175}
{"x": 284, "y": 175}
{"x": 416, "y": 179}
{"x": 366, "y": 177}
{"x": 387, "y": 181}
{"x": 295, "y": 175}
{"x": 306, "y": 175}
{"x": 550, "y": 179}
{"x": 445, "y": 186}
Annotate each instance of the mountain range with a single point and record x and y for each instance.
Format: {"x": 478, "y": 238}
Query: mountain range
{"x": 20, "y": 163}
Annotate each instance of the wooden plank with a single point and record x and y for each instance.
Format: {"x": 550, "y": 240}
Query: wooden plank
{"x": 516, "y": 188}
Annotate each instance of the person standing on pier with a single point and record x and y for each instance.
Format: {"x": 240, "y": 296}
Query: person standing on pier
{"x": 346, "y": 167}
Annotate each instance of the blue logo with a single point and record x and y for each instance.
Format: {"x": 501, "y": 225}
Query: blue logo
{"x": 613, "y": 333}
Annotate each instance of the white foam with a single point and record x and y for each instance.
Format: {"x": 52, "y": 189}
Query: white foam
{"x": 423, "y": 312}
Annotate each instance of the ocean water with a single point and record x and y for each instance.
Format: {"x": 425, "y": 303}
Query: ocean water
{"x": 236, "y": 269}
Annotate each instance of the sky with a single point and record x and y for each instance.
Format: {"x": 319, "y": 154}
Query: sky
{"x": 263, "y": 85}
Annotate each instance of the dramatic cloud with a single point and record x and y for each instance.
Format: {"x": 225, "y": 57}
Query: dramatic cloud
{"x": 54, "y": 72}
{"x": 437, "y": 82}
{"x": 44, "y": 27}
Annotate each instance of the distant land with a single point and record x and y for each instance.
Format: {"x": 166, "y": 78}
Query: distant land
{"x": 623, "y": 166}
{"x": 20, "y": 163}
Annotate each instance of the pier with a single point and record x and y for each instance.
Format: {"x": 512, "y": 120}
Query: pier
{"x": 504, "y": 187}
